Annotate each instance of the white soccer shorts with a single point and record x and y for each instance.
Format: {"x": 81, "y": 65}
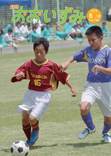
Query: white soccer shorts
{"x": 35, "y": 102}
{"x": 100, "y": 93}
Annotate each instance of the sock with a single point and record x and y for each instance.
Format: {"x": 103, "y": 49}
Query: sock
{"x": 88, "y": 121}
{"x": 35, "y": 126}
{"x": 106, "y": 128}
{"x": 27, "y": 130}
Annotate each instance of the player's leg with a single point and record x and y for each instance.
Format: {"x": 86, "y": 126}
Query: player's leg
{"x": 106, "y": 128}
{"x": 106, "y": 110}
{"x": 105, "y": 106}
{"x": 87, "y": 100}
{"x": 35, "y": 130}
{"x": 87, "y": 118}
{"x": 86, "y": 115}
{"x": 26, "y": 124}
{"x": 41, "y": 102}
{"x": 35, "y": 115}
{"x": 25, "y": 108}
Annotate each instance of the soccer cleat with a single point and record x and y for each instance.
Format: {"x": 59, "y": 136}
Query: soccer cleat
{"x": 107, "y": 138}
{"x": 86, "y": 132}
{"x": 34, "y": 137}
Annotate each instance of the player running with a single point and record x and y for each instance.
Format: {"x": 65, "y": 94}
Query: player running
{"x": 42, "y": 74}
{"x": 98, "y": 85}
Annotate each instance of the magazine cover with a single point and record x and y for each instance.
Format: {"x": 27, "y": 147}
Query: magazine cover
{"x": 55, "y": 65}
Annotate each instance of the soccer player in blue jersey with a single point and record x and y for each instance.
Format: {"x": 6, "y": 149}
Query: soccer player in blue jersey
{"x": 98, "y": 84}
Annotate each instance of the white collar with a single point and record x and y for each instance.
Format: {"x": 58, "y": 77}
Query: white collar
{"x": 105, "y": 46}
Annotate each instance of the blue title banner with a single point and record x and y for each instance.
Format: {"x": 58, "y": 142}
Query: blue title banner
{"x": 19, "y": 2}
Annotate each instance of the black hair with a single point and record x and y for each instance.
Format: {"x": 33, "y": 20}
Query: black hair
{"x": 1, "y": 32}
{"x": 10, "y": 30}
{"x": 94, "y": 29}
{"x": 42, "y": 41}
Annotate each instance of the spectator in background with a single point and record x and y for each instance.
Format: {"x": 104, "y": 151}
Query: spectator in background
{"x": 66, "y": 30}
{"x": 24, "y": 30}
{"x": 1, "y": 40}
{"x": 9, "y": 39}
{"x": 108, "y": 15}
{"x": 104, "y": 28}
{"x": 33, "y": 36}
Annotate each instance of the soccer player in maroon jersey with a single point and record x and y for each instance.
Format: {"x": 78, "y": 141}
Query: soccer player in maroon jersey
{"x": 43, "y": 75}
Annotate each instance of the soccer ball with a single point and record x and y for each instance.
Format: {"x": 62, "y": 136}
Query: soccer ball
{"x": 19, "y": 148}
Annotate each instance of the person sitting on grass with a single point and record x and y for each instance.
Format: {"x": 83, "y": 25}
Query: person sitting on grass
{"x": 10, "y": 40}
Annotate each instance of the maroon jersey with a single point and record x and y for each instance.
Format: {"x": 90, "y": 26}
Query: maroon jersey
{"x": 42, "y": 77}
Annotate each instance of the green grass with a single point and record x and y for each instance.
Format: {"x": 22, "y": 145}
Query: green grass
{"x": 60, "y": 125}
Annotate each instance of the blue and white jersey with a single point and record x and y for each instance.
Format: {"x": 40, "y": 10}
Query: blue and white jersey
{"x": 93, "y": 57}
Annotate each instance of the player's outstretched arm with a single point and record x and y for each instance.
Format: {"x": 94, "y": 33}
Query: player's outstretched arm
{"x": 67, "y": 63}
{"x": 18, "y": 77}
{"x": 72, "y": 89}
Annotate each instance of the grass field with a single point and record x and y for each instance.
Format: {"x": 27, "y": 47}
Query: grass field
{"x": 60, "y": 126}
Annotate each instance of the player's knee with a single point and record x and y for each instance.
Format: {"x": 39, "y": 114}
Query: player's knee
{"x": 25, "y": 118}
{"x": 83, "y": 111}
{"x": 32, "y": 119}
{"x": 107, "y": 120}
{"x": 84, "y": 108}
